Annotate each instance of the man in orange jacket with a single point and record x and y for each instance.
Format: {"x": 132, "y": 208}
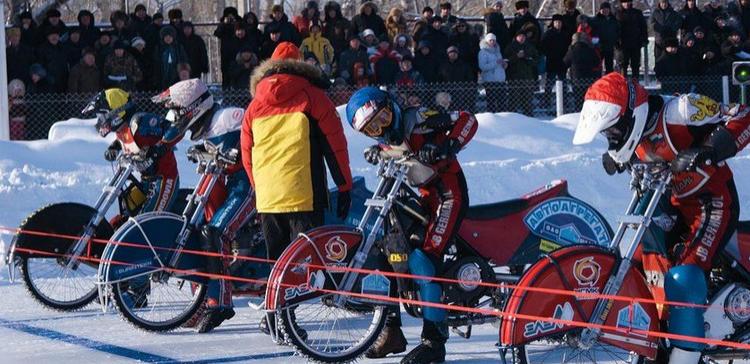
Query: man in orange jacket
{"x": 289, "y": 129}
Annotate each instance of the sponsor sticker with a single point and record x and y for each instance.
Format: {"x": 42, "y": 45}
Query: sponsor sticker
{"x": 633, "y": 317}
{"x": 547, "y": 246}
{"x": 301, "y": 267}
{"x": 376, "y": 284}
{"x": 586, "y": 272}
{"x": 565, "y": 221}
{"x": 563, "y": 311}
{"x": 336, "y": 249}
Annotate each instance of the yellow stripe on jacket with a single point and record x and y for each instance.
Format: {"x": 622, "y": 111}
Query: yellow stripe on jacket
{"x": 281, "y": 163}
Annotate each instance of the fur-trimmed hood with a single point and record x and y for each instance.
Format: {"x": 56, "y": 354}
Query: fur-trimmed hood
{"x": 271, "y": 67}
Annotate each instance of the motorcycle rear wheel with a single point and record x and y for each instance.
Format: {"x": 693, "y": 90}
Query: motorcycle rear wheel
{"x": 329, "y": 334}
{"x": 559, "y": 349}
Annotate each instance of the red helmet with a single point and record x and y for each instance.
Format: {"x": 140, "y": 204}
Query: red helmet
{"x": 618, "y": 108}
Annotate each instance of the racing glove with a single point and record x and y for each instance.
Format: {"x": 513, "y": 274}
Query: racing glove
{"x": 112, "y": 151}
{"x": 430, "y": 153}
{"x": 690, "y": 159}
{"x": 194, "y": 151}
{"x": 343, "y": 204}
{"x": 610, "y": 166}
{"x": 372, "y": 154}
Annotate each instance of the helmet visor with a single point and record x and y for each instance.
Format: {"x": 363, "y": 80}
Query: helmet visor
{"x": 596, "y": 116}
{"x": 373, "y": 121}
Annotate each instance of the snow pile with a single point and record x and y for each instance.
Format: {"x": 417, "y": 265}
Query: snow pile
{"x": 511, "y": 155}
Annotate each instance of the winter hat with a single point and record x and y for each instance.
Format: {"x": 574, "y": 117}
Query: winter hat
{"x": 277, "y": 8}
{"x": 489, "y": 36}
{"x": 175, "y": 13}
{"x": 26, "y": 15}
{"x": 427, "y": 9}
{"x": 671, "y": 42}
{"x": 522, "y": 4}
{"x": 157, "y": 16}
{"x": 626, "y": 1}
{"x": 446, "y": 5}
{"x": 187, "y": 24}
{"x": 699, "y": 29}
{"x": 135, "y": 42}
{"x": 286, "y": 50}
{"x": 367, "y": 33}
{"x": 570, "y": 4}
{"x": 312, "y": 5}
{"x": 167, "y": 30}
{"x": 424, "y": 44}
{"x": 582, "y": 19}
{"x": 140, "y": 7}
{"x": 119, "y": 44}
{"x": 605, "y": 5}
{"x": 38, "y": 69}
{"x": 557, "y": 17}
{"x": 88, "y": 50}
{"x": 53, "y": 13}
{"x": 74, "y": 29}
{"x": 452, "y": 49}
{"x": 52, "y": 30}
{"x": 230, "y": 11}
{"x": 270, "y": 28}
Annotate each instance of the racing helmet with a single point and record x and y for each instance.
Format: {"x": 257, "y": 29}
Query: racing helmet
{"x": 187, "y": 101}
{"x": 618, "y": 108}
{"x": 375, "y": 113}
{"x": 111, "y": 107}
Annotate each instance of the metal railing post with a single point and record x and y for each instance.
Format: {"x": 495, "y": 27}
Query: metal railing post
{"x": 646, "y": 75}
{"x": 725, "y": 89}
{"x": 559, "y": 100}
{"x": 4, "y": 112}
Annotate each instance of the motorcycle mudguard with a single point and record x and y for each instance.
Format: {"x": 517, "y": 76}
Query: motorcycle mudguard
{"x": 141, "y": 243}
{"x": 67, "y": 218}
{"x": 585, "y": 269}
{"x": 300, "y": 273}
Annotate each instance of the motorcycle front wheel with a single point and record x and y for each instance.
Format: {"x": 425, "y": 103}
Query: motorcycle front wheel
{"x": 326, "y": 333}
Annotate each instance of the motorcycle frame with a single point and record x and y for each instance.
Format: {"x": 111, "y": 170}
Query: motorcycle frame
{"x": 110, "y": 192}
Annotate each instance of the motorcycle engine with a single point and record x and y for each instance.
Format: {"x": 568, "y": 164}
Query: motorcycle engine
{"x": 467, "y": 270}
{"x": 729, "y": 309}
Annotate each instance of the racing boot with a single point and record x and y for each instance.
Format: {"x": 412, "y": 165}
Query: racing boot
{"x": 681, "y": 356}
{"x": 213, "y": 316}
{"x": 211, "y": 242}
{"x": 390, "y": 341}
{"x": 432, "y": 348}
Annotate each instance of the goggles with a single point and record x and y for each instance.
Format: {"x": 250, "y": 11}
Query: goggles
{"x": 372, "y": 121}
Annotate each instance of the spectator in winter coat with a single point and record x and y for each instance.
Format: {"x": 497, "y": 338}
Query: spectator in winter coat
{"x": 39, "y": 80}
{"x": 120, "y": 31}
{"x": 139, "y": 21}
{"x": 242, "y": 68}
{"x": 254, "y": 34}
{"x": 353, "y": 55}
{"x": 385, "y": 63}
{"x": 50, "y": 23}
{"x": 554, "y": 47}
{"x": 274, "y": 39}
{"x": 607, "y": 28}
{"x": 320, "y": 47}
{"x": 196, "y": 51}
{"x": 334, "y": 18}
{"x": 694, "y": 65}
{"x": 522, "y": 65}
{"x": 692, "y": 17}
{"x": 584, "y": 26}
{"x": 711, "y": 11}
{"x": 85, "y": 76}
{"x": 225, "y": 32}
{"x": 175, "y": 19}
{"x": 18, "y": 55}
{"x": 368, "y": 18}
{"x": 741, "y": 10}
{"x": 280, "y": 21}
{"x": 633, "y": 37}
{"x": 403, "y": 44}
{"x": 707, "y": 49}
{"x": 437, "y": 38}
{"x": 290, "y": 114}
{"x": 733, "y": 48}
{"x": 454, "y": 69}
{"x": 73, "y": 46}
{"x": 449, "y": 20}
{"x": 103, "y": 48}
{"x": 17, "y": 110}
{"x": 494, "y": 20}
{"x": 670, "y": 66}
{"x": 240, "y": 40}
{"x": 152, "y": 32}
{"x": 492, "y": 72}
{"x": 666, "y": 22}
{"x": 407, "y": 76}
{"x": 310, "y": 14}
{"x": 52, "y": 55}
{"x": 121, "y": 69}
{"x": 425, "y": 62}
{"x": 467, "y": 43}
{"x": 584, "y": 66}
{"x": 395, "y": 23}
{"x": 370, "y": 41}
{"x": 524, "y": 20}
{"x": 570, "y": 17}
{"x": 166, "y": 57}
{"x": 29, "y": 29}
{"x": 422, "y": 24}
{"x": 87, "y": 28}
{"x": 143, "y": 59}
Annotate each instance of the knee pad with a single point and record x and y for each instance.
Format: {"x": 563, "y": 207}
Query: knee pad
{"x": 687, "y": 284}
{"x": 421, "y": 265}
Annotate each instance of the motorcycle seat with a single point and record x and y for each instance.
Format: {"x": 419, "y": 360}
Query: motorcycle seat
{"x": 496, "y": 210}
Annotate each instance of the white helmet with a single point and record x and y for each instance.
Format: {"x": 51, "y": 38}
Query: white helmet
{"x": 187, "y": 102}
{"x": 618, "y": 108}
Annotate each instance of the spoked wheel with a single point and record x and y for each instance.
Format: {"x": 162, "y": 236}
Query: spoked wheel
{"x": 161, "y": 305}
{"x": 565, "y": 348}
{"x": 326, "y": 333}
{"x": 54, "y": 285}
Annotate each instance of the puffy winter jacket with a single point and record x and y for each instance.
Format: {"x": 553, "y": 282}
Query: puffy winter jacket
{"x": 289, "y": 128}
{"x": 666, "y": 23}
{"x": 320, "y": 47}
{"x": 361, "y": 21}
{"x": 490, "y": 66}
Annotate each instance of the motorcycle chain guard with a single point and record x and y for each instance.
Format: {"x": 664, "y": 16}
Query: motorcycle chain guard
{"x": 586, "y": 269}
{"x": 308, "y": 265}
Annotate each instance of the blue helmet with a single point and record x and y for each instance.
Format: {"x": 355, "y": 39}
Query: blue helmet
{"x": 375, "y": 113}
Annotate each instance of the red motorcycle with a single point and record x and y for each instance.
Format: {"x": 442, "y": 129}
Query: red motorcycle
{"x": 330, "y": 299}
{"x": 622, "y": 330}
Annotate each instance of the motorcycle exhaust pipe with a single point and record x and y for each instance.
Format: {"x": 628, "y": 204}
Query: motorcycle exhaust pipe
{"x": 507, "y": 278}
{"x": 729, "y": 355}
{"x": 466, "y": 321}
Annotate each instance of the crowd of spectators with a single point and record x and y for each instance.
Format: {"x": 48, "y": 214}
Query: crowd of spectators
{"x": 147, "y": 52}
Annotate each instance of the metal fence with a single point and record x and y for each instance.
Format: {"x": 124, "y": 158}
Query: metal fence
{"x": 33, "y": 115}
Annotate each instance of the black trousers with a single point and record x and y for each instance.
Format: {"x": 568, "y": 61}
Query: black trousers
{"x": 629, "y": 57}
{"x": 280, "y": 229}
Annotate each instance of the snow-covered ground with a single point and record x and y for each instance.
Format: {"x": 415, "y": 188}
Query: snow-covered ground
{"x": 511, "y": 155}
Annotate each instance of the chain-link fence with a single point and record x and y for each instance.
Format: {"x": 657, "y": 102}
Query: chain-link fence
{"x": 32, "y": 116}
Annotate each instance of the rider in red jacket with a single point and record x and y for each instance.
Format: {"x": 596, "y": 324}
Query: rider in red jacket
{"x": 435, "y": 138}
{"x": 696, "y": 135}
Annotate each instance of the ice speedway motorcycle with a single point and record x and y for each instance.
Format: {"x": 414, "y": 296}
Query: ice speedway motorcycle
{"x": 59, "y": 246}
{"x": 330, "y": 292}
